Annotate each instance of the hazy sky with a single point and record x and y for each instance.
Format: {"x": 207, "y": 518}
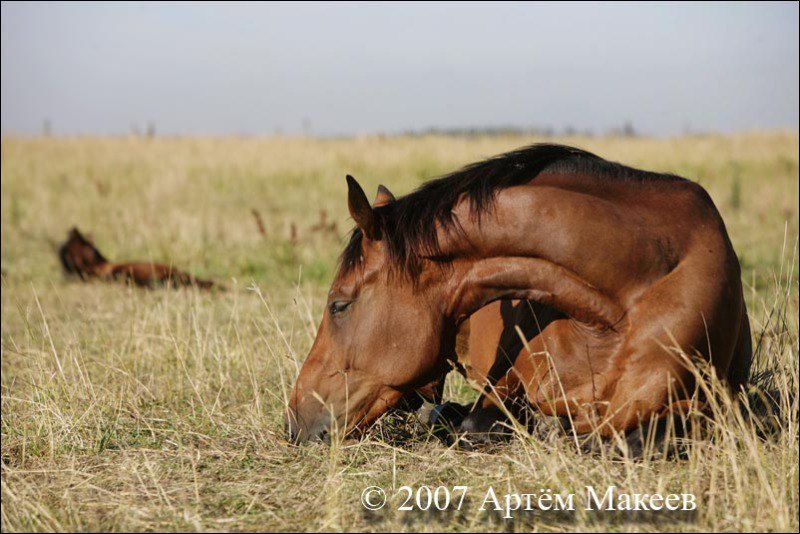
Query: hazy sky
{"x": 362, "y": 68}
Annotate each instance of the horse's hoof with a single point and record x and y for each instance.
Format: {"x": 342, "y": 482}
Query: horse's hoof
{"x": 443, "y": 419}
{"x": 484, "y": 425}
{"x": 448, "y": 414}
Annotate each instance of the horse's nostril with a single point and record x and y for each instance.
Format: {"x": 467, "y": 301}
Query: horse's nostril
{"x": 297, "y": 431}
{"x": 291, "y": 431}
{"x": 287, "y": 431}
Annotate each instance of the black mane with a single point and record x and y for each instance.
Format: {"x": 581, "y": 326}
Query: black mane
{"x": 408, "y": 224}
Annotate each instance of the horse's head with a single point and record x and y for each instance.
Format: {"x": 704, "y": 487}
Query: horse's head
{"x": 380, "y": 343}
{"x": 78, "y": 255}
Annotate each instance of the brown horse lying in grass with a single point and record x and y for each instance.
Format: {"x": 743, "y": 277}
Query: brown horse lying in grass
{"x": 79, "y": 257}
{"x": 618, "y": 279}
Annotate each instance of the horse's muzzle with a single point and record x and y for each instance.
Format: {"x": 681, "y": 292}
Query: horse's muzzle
{"x": 300, "y": 430}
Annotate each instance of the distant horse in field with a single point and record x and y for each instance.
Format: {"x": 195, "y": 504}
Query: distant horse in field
{"x": 618, "y": 279}
{"x": 79, "y": 257}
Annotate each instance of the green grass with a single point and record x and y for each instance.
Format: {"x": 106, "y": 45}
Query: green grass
{"x": 127, "y": 409}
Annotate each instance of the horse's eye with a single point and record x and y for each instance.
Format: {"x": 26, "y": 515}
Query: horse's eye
{"x": 339, "y": 306}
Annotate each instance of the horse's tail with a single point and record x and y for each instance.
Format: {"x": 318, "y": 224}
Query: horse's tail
{"x": 180, "y": 278}
{"x": 208, "y": 285}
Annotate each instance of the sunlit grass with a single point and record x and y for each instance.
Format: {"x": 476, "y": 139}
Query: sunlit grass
{"x": 146, "y": 410}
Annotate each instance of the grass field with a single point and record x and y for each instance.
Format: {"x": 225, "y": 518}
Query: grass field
{"x": 128, "y": 409}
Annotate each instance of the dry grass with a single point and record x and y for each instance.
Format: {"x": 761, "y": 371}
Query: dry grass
{"x": 125, "y": 409}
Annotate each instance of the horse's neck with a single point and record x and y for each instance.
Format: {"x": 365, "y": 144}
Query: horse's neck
{"x": 510, "y": 254}
{"x": 484, "y": 280}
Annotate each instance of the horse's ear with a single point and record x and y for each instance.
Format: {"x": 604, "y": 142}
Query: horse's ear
{"x": 383, "y": 197}
{"x": 360, "y": 209}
